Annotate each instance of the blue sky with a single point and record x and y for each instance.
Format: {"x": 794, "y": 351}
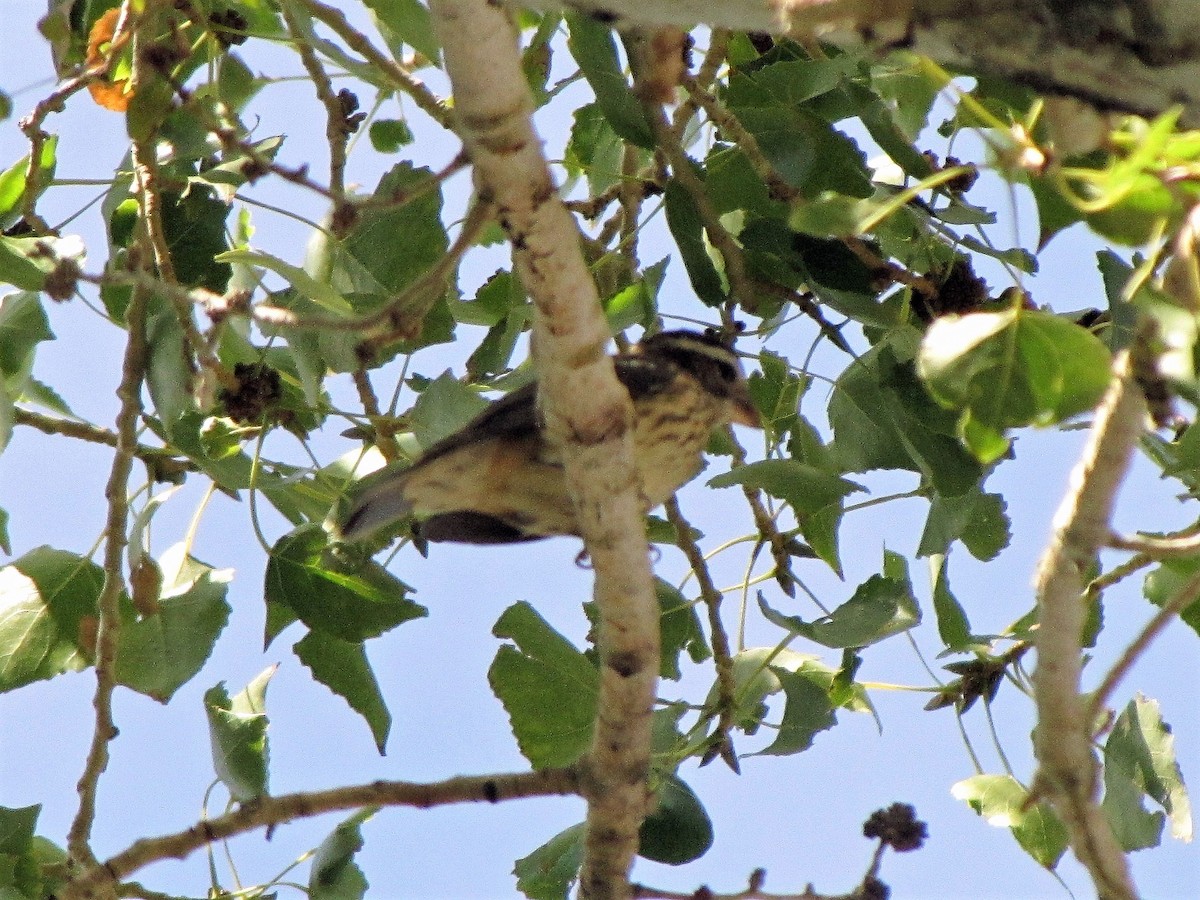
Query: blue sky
{"x": 799, "y": 817}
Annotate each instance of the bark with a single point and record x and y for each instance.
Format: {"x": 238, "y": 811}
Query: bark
{"x": 586, "y": 411}
{"x": 1139, "y": 56}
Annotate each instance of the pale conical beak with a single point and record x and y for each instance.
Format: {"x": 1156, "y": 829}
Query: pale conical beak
{"x": 744, "y": 411}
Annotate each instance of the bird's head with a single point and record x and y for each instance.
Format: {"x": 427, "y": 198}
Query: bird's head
{"x": 709, "y": 358}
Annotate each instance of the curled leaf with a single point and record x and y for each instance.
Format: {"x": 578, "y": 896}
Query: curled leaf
{"x": 110, "y": 92}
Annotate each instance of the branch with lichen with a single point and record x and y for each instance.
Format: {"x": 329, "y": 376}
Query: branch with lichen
{"x": 1067, "y": 769}
{"x": 587, "y": 414}
{"x": 100, "y": 879}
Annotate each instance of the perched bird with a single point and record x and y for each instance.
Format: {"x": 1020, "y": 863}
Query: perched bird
{"x": 499, "y": 480}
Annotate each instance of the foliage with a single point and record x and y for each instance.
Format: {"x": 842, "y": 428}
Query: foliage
{"x": 801, "y": 199}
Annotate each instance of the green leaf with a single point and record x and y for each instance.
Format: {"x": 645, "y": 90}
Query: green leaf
{"x": 45, "y": 597}
{"x": 1139, "y": 760}
{"x": 679, "y": 629}
{"x": 1124, "y": 314}
{"x": 678, "y": 830}
{"x": 387, "y": 264}
{"x": 16, "y": 266}
{"x": 1144, "y": 207}
{"x": 23, "y": 325}
{"x": 237, "y": 728}
{"x": 788, "y": 82}
{"x": 683, "y": 220}
{"x": 881, "y": 607}
{"x": 389, "y": 135}
{"x": 637, "y": 303}
{"x": 319, "y": 292}
{"x": 334, "y": 874}
{"x": 1162, "y": 583}
{"x": 343, "y": 667}
{"x": 1010, "y": 369}
{"x": 1055, "y": 212}
{"x": 883, "y": 418}
{"x": 808, "y": 710}
{"x": 167, "y": 376}
{"x": 493, "y": 301}
{"x": 953, "y": 626}
{"x": 1002, "y": 801}
{"x": 236, "y": 84}
{"x": 732, "y": 184}
{"x": 547, "y": 687}
{"x": 594, "y": 149}
{"x": 592, "y": 46}
{"x": 346, "y": 599}
{"x": 160, "y": 653}
{"x": 194, "y": 224}
{"x": 13, "y": 179}
{"x": 977, "y": 519}
{"x": 805, "y": 488}
{"x": 408, "y": 21}
{"x": 443, "y": 408}
{"x": 755, "y": 679}
{"x": 549, "y": 871}
{"x": 16, "y": 828}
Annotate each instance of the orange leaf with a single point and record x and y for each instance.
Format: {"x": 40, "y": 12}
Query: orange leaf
{"x": 113, "y": 94}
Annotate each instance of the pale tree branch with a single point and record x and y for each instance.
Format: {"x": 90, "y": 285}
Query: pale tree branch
{"x": 1067, "y": 773}
{"x": 587, "y": 412}
{"x": 266, "y": 812}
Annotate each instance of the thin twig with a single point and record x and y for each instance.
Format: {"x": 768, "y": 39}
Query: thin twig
{"x": 1115, "y": 575}
{"x": 161, "y": 461}
{"x": 399, "y": 76}
{"x": 108, "y": 615}
{"x": 31, "y": 125}
{"x": 741, "y": 285}
{"x": 1184, "y": 597}
{"x": 714, "y": 58}
{"x": 1187, "y": 544}
{"x": 384, "y": 439}
{"x": 273, "y": 811}
{"x": 336, "y": 132}
{"x": 722, "y": 658}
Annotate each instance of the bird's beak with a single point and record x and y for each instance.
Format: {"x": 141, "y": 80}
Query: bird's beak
{"x": 744, "y": 411}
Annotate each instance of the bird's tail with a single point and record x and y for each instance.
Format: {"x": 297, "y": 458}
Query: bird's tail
{"x": 380, "y": 504}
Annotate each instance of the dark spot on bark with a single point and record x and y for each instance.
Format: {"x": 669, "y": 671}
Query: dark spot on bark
{"x": 491, "y": 793}
{"x": 626, "y": 664}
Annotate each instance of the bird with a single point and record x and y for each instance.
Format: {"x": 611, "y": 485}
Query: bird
{"x": 500, "y": 480}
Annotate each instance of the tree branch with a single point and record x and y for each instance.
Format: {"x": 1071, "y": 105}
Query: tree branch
{"x": 1144, "y": 62}
{"x": 587, "y": 413}
{"x": 1067, "y": 773}
{"x": 270, "y": 811}
{"x": 722, "y": 657}
{"x": 1184, "y": 597}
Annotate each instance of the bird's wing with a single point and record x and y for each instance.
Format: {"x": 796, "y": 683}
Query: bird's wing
{"x": 513, "y": 416}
